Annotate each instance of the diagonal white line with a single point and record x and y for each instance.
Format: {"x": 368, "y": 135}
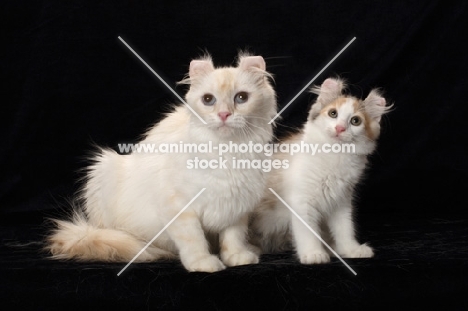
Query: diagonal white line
{"x": 160, "y": 232}
{"x": 313, "y": 79}
{"x": 313, "y": 231}
{"x": 161, "y": 79}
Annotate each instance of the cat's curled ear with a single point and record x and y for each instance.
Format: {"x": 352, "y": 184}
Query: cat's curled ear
{"x": 329, "y": 91}
{"x": 247, "y": 62}
{"x": 375, "y": 105}
{"x": 199, "y": 67}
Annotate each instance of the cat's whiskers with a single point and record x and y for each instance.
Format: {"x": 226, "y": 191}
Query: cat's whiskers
{"x": 258, "y": 127}
{"x": 260, "y": 118}
{"x": 287, "y": 126}
{"x": 246, "y": 131}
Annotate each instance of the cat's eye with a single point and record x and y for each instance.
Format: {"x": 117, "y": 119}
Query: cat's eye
{"x": 241, "y": 98}
{"x": 332, "y": 113}
{"x": 356, "y": 121}
{"x": 208, "y": 99}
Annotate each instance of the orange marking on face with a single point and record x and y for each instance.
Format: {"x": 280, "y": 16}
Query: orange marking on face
{"x": 225, "y": 82}
{"x": 335, "y": 104}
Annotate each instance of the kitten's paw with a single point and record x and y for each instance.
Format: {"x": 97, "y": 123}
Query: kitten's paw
{"x": 244, "y": 257}
{"x": 316, "y": 257}
{"x": 362, "y": 251}
{"x": 209, "y": 263}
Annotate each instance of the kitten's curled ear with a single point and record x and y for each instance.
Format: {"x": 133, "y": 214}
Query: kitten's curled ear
{"x": 375, "y": 105}
{"x": 200, "y": 67}
{"x": 329, "y": 91}
{"x": 247, "y": 62}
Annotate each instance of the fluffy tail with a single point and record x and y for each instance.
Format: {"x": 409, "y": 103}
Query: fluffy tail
{"x": 79, "y": 240}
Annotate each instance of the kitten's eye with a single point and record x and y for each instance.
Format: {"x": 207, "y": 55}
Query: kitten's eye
{"x": 356, "y": 121}
{"x": 332, "y": 113}
{"x": 241, "y": 97}
{"x": 208, "y": 99}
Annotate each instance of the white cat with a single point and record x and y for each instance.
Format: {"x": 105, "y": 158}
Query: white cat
{"x": 128, "y": 199}
{"x": 320, "y": 187}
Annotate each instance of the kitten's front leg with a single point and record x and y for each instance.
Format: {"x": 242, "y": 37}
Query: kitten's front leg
{"x": 188, "y": 235}
{"x": 234, "y": 248}
{"x": 309, "y": 248}
{"x": 342, "y": 228}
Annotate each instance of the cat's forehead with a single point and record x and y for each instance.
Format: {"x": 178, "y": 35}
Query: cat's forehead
{"x": 224, "y": 78}
{"x": 347, "y": 104}
{"x": 228, "y": 78}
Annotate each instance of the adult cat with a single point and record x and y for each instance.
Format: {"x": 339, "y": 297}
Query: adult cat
{"x": 128, "y": 199}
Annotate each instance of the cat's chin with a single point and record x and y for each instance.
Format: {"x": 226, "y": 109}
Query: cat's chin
{"x": 225, "y": 131}
{"x": 340, "y": 138}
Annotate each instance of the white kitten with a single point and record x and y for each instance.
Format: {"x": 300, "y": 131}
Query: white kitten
{"x": 128, "y": 199}
{"x": 320, "y": 187}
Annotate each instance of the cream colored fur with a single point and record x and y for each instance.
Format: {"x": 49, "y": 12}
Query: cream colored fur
{"x": 128, "y": 199}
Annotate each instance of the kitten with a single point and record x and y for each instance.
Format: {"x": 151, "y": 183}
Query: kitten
{"x": 128, "y": 199}
{"x": 320, "y": 187}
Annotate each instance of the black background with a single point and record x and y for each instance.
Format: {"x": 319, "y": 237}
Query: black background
{"x": 69, "y": 82}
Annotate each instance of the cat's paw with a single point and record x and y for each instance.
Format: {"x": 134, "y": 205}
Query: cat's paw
{"x": 244, "y": 257}
{"x": 315, "y": 257}
{"x": 209, "y": 263}
{"x": 362, "y": 251}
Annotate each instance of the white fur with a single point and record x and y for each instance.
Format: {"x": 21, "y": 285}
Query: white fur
{"x": 135, "y": 196}
{"x": 320, "y": 187}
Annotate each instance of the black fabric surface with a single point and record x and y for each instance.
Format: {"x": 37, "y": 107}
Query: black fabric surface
{"x": 68, "y": 82}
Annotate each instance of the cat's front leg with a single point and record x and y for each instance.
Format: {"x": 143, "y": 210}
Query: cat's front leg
{"x": 341, "y": 226}
{"x": 309, "y": 248}
{"x": 235, "y": 250}
{"x": 187, "y": 233}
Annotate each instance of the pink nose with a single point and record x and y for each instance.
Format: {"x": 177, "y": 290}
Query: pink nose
{"x": 339, "y": 129}
{"x": 224, "y": 115}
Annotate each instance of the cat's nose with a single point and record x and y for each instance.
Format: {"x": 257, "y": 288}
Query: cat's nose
{"x": 340, "y": 129}
{"x": 224, "y": 115}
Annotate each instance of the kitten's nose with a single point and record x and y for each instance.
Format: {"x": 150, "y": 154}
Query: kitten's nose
{"x": 224, "y": 115}
{"x": 339, "y": 129}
